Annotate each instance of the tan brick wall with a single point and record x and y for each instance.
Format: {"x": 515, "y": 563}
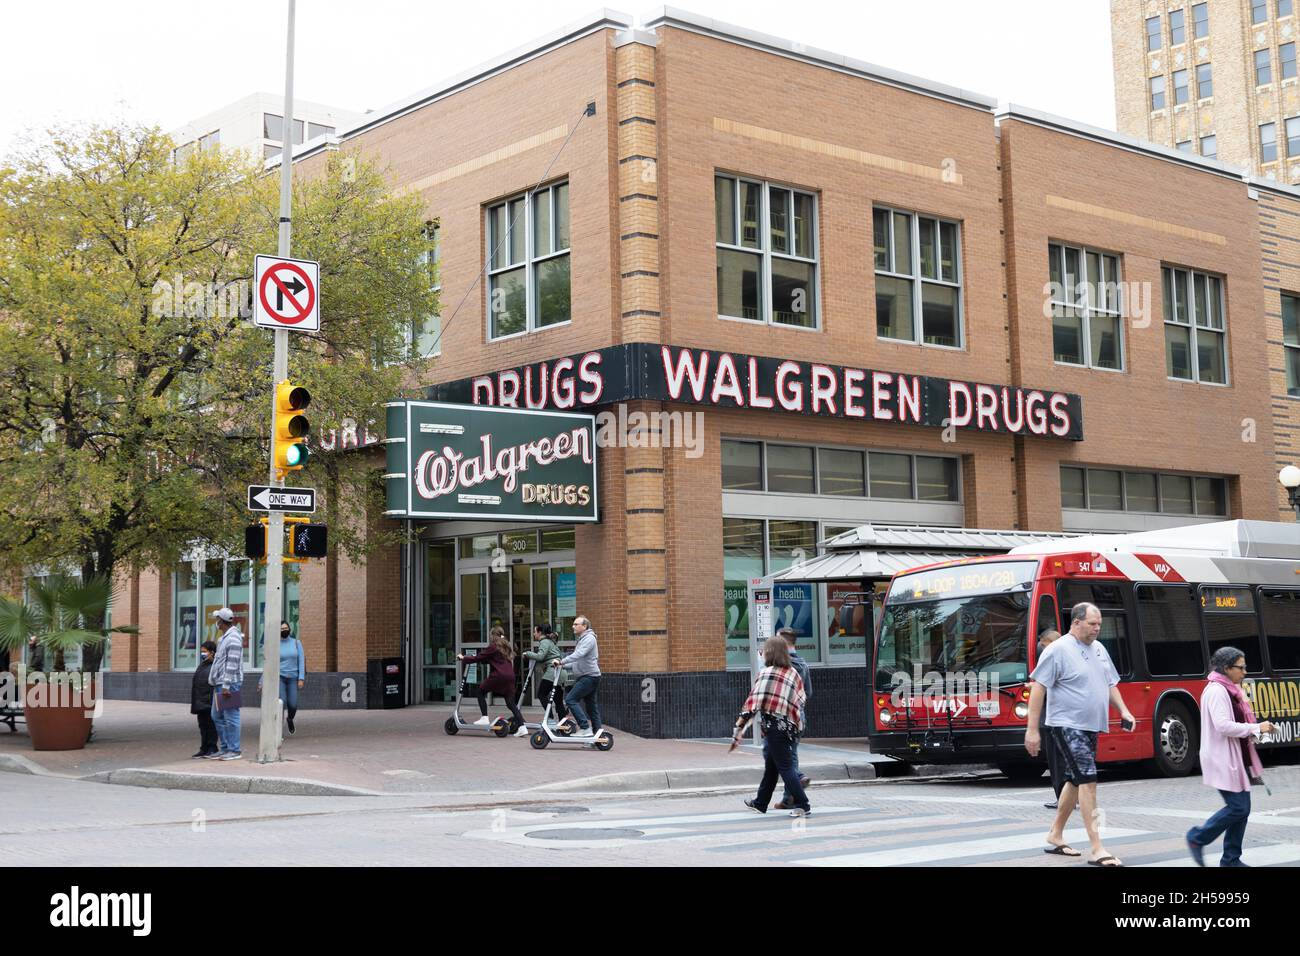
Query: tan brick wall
{"x": 1279, "y": 226}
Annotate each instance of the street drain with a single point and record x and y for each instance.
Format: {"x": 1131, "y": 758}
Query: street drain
{"x": 558, "y": 808}
{"x": 612, "y": 833}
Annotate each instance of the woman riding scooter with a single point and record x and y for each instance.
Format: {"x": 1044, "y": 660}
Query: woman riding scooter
{"x": 499, "y": 656}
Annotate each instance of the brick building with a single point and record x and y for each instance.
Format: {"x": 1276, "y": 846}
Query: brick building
{"x": 888, "y": 302}
{"x": 1216, "y": 78}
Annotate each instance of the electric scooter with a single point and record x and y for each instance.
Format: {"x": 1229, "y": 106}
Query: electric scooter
{"x": 519, "y": 705}
{"x": 547, "y": 734}
{"x": 457, "y": 724}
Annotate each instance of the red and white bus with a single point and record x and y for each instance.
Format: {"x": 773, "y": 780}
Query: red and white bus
{"x": 956, "y": 642}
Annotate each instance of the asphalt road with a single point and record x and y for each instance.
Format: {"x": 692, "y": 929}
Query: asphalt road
{"x": 984, "y": 822}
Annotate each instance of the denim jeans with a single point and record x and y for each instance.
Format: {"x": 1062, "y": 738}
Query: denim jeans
{"x": 227, "y": 721}
{"x": 289, "y": 694}
{"x": 794, "y": 760}
{"x": 584, "y": 690}
{"x": 778, "y": 760}
{"x": 1231, "y": 822}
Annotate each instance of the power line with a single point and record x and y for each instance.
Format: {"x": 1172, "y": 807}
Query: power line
{"x": 590, "y": 110}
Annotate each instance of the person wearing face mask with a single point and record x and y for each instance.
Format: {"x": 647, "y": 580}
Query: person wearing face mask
{"x": 201, "y": 702}
{"x": 293, "y": 674}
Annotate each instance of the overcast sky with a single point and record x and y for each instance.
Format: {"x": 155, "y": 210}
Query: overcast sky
{"x": 170, "y": 62}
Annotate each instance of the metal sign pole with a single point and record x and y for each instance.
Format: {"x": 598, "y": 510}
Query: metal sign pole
{"x": 268, "y": 750}
{"x": 760, "y": 629}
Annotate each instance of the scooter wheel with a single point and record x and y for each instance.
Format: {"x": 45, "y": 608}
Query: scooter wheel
{"x": 563, "y": 730}
{"x": 539, "y": 740}
{"x": 500, "y": 728}
{"x": 605, "y": 742}
{"x": 450, "y": 726}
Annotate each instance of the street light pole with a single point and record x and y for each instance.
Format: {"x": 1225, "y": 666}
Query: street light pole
{"x": 268, "y": 750}
{"x": 1290, "y": 479}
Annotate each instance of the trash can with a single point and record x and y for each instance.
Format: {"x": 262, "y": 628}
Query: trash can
{"x": 385, "y": 683}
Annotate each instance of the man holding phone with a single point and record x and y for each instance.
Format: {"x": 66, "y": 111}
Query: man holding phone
{"x": 1080, "y": 684}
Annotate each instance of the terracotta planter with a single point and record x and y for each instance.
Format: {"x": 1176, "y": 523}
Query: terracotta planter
{"x": 56, "y": 716}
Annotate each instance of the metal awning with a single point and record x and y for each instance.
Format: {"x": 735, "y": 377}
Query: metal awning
{"x": 881, "y": 551}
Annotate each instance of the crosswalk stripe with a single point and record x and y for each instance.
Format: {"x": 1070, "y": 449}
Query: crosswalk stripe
{"x": 1272, "y": 855}
{"x": 904, "y": 856}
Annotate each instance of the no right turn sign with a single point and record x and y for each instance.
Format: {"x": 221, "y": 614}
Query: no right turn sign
{"x": 287, "y": 294}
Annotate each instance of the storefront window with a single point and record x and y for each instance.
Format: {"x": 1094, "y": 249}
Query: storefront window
{"x": 185, "y": 628}
{"x": 793, "y": 604}
{"x": 742, "y": 466}
{"x": 439, "y": 655}
{"x": 558, "y": 539}
{"x": 479, "y": 546}
{"x": 214, "y": 598}
{"x": 519, "y": 542}
{"x": 238, "y": 600}
{"x": 742, "y": 559}
{"x": 473, "y": 608}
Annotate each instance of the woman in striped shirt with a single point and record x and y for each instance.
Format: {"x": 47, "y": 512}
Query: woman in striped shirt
{"x": 777, "y": 701}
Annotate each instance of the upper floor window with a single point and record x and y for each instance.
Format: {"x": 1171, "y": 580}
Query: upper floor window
{"x": 1209, "y": 146}
{"x": 1154, "y": 38}
{"x": 273, "y": 128}
{"x": 767, "y": 252}
{"x": 528, "y": 262}
{"x": 1204, "y": 81}
{"x": 1177, "y": 28}
{"x": 1180, "y": 87}
{"x": 1086, "y": 324}
{"x": 1201, "y": 19}
{"x": 1285, "y": 8}
{"x": 1111, "y": 489}
{"x": 1268, "y": 143}
{"x": 424, "y": 338}
{"x": 842, "y": 472}
{"x": 213, "y": 140}
{"x": 1183, "y": 146}
{"x": 1258, "y": 11}
{"x": 1157, "y": 92}
{"x": 1291, "y": 342}
{"x": 1286, "y": 60}
{"x": 1263, "y": 68}
{"x": 918, "y": 274}
{"x": 1293, "y": 137}
{"x": 1195, "y": 330}
{"x": 316, "y": 129}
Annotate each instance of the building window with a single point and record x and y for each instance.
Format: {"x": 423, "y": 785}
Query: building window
{"x": 1195, "y": 329}
{"x": 1286, "y": 60}
{"x": 1143, "y": 492}
{"x": 918, "y": 274}
{"x": 273, "y": 128}
{"x": 1263, "y": 68}
{"x": 316, "y": 129}
{"x": 1268, "y": 143}
{"x": 778, "y": 468}
{"x": 1180, "y": 87}
{"x": 1209, "y": 147}
{"x": 528, "y": 262}
{"x": 1086, "y": 307}
{"x": 767, "y": 252}
{"x": 1285, "y": 8}
{"x": 1177, "y": 28}
{"x": 424, "y": 336}
{"x": 1201, "y": 19}
{"x": 1258, "y": 11}
{"x": 1157, "y": 93}
{"x": 182, "y": 153}
{"x": 1183, "y": 146}
{"x": 1293, "y": 137}
{"x": 1291, "y": 342}
{"x": 213, "y": 140}
{"x": 1204, "y": 82}
{"x": 1154, "y": 38}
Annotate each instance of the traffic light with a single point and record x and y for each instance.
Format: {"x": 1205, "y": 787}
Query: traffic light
{"x": 307, "y": 540}
{"x": 255, "y": 541}
{"x": 291, "y": 427}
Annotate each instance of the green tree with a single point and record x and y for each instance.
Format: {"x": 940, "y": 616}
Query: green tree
{"x": 137, "y": 403}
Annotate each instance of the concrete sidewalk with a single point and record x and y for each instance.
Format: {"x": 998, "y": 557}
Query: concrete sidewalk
{"x": 406, "y": 752}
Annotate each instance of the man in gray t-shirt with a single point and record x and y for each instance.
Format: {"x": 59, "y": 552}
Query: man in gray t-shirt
{"x": 1080, "y": 684}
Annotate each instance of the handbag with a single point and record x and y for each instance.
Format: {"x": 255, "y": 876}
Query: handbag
{"x": 233, "y": 702}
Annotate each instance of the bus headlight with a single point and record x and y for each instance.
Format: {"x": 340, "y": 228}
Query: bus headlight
{"x": 1022, "y": 710}
{"x": 886, "y": 717}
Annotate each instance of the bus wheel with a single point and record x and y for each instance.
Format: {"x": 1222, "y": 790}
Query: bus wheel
{"x": 1176, "y": 740}
{"x": 1021, "y": 772}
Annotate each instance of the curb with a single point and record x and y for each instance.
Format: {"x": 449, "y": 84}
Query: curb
{"x": 228, "y": 783}
{"x": 641, "y": 781}
{"x": 14, "y": 763}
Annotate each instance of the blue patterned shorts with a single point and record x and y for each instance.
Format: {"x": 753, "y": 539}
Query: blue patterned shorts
{"x": 1077, "y": 750}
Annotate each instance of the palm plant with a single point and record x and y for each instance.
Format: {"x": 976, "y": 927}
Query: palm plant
{"x": 63, "y": 613}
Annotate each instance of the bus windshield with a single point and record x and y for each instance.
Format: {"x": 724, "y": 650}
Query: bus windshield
{"x": 970, "y": 620}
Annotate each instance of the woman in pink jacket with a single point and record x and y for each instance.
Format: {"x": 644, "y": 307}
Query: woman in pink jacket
{"x": 1229, "y": 762}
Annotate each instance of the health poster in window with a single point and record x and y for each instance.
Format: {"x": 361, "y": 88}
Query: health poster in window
{"x": 566, "y": 595}
{"x": 793, "y": 607}
{"x": 846, "y": 618}
{"x": 189, "y": 628}
{"x": 736, "y": 607}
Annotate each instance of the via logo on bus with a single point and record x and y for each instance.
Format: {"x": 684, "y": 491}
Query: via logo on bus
{"x": 1161, "y": 568}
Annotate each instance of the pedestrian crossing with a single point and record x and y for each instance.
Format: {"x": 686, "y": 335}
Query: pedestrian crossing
{"x": 858, "y": 836}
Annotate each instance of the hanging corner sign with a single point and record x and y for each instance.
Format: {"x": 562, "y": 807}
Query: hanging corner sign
{"x": 287, "y": 294}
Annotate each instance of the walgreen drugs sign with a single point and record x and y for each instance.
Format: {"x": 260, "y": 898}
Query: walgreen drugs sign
{"x": 474, "y": 461}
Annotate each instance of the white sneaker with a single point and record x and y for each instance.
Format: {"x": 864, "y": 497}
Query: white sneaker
{"x": 582, "y": 732}
{"x": 523, "y": 732}
{"x": 483, "y": 721}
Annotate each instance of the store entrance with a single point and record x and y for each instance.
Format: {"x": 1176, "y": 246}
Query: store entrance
{"x": 517, "y": 580}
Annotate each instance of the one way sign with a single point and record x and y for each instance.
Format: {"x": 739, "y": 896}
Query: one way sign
{"x": 288, "y": 294}
{"x": 267, "y": 498}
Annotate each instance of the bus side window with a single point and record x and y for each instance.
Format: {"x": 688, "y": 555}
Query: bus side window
{"x": 1282, "y": 626}
{"x": 1047, "y": 620}
{"x": 1171, "y": 630}
{"x": 1115, "y": 630}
